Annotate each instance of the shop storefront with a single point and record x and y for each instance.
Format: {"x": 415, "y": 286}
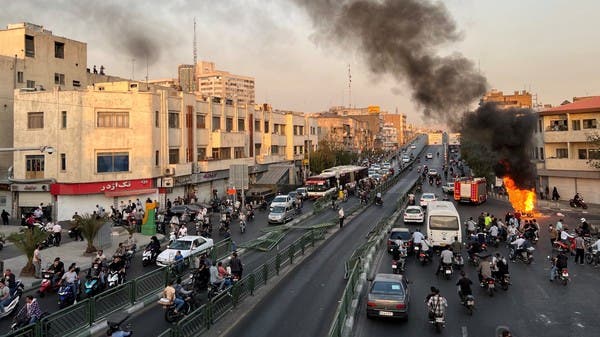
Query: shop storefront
{"x": 84, "y": 197}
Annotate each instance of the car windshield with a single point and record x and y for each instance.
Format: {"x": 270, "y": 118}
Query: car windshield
{"x": 301, "y": 190}
{"x": 389, "y": 288}
{"x": 400, "y": 236}
{"x": 443, "y": 222}
{"x": 413, "y": 211}
{"x": 278, "y": 209}
{"x": 181, "y": 245}
{"x": 428, "y": 196}
{"x": 280, "y": 199}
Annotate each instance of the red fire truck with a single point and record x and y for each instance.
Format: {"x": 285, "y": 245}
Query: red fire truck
{"x": 472, "y": 190}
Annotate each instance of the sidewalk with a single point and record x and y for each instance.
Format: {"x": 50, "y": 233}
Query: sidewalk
{"x": 69, "y": 251}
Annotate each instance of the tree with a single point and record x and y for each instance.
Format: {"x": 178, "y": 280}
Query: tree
{"x": 90, "y": 226}
{"x": 327, "y": 156}
{"x": 27, "y": 241}
{"x": 594, "y": 153}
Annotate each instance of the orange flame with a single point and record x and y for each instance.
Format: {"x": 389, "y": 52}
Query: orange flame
{"x": 521, "y": 200}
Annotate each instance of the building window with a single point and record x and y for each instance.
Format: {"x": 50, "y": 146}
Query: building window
{"x": 20, "y": 77}
{"x": 112, "y": 119}
{"x": 238, "y": 152}
{"x": 156, "y": 119}
{"x": 112, "y": 162}
{"x": 228, "y": 124}
{"x": 241, "y": 125}
{"x": 266, "y": 130}
{"x": 576, "y": 124}
{"x": 63, "y": 119}
{"x": 582, "y": 153}
{"x": 173, "y": 156}
{"x": 536, "y": 153}
{"x": 59, "y": 50}
{"x": 63, "y": 162}
{"x": 541, "y": 153}
{"x": 274, "y": 149}
{"x": 215, "y": 153}
{"x": 76, "y": 84}
{"x": 156, "y": 158}
{"x": 257, "y": 126}
{"x": 30, "y": 84}
{"x": 562, "y": 153}
{"x": 35, "y": 120}
{"x": 173, "y": 119}
{"x": 29, "y": 46}
{"x": 200, "y": 121}
{"x": 216, "y": 123}
{"x": 225, "y": 153}
{"x": 589, "y": 123}
{"x": 34, "y": 167}
{"x": 594, "y": 154}
{"x": 201, "y": 153}
{"x": 257, "y": 149}
{"x": 59, "y": 78}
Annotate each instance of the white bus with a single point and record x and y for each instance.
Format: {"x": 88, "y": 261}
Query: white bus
{"x": 443, "y": 223}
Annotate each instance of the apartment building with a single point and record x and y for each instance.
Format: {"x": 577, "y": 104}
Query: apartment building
{"x": 219, "y": 83}
{"x": 345, "y": 132}
{"x": 127, "y": 140}
{"x": 397, "y": 121}
{"x": 390, "y": 137}
{"x": 32, "y": 57}
{"x": 567, "y": 151}
{"x": 519, "y": 99}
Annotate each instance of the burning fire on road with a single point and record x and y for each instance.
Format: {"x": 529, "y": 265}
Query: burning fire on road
{"x": 522, "y": 200}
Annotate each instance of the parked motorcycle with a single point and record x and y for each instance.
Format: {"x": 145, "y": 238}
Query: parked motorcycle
{"x": 14, "y": 302}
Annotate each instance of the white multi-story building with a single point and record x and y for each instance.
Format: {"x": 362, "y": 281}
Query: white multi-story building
{"x": 218, "y": 83}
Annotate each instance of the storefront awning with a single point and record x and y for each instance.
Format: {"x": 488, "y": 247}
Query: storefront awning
{"x": 130, "y": 192}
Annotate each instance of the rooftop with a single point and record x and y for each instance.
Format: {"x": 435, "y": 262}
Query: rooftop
{"x": 584, "y": 105}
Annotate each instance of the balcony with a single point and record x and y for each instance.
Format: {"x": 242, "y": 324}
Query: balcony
{"x": 227, "y": 139}
{"x": 564, "y": 136}
{"x": 218, "y": 165}
{"x": 568, "y": 164}
{"x": 278, "y": 139}
{"x": 269, "y": 159}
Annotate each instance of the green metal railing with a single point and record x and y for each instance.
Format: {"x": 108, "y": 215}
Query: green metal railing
{"x": 76, "y": 318}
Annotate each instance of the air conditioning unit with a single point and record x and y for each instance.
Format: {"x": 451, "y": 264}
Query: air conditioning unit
{"x": 167, "y": 182}
{"x": 169, "y": 171}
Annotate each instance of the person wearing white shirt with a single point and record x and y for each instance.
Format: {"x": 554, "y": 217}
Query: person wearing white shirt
{"x": 417, "y": 237}
{"x": 564, "y": 236}
{"x": 182, "y": 231}
{"x": 494, "y": 231}
{"x": 446, "y": 258}
{"x": 57, "y": 229}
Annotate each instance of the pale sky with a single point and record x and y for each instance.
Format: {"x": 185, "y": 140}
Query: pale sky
{"x": 550, "y": 47}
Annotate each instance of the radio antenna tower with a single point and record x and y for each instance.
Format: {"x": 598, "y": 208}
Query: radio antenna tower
{"x": 195, "y": 51}
{"x": 349, "y": 87}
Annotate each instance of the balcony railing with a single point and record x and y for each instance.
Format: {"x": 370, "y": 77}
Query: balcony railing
{"x": 557, "y": 128}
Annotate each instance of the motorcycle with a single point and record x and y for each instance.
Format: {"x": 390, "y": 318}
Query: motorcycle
{"x": 171, "y": 316}
{"x": 66, "y": 296}
{"x": 474, "y": 259}
{"x": 21, "y": 320}
{"x": 576, "y": 203}
{"x": 446, "y": 270}
{"x": 398, "y": 266}
{"x": 424, "y": 258}
{"x": 114, "y": 326}
{"x": 91, "y": 287}
{"x": 378, "y": 201}
{"x": 526, "y": 256}
{"x": 560, "y": 246}
{"x": 504, "y": 281}
{"x": 468, "y": 302}
{"x": 488, "y": 285}
{"x": 46, "y": 284}
{"x": 591, "y": 256}
{"x": 563, "y": 276}
{"x": 113, "y": 279}
{"x": 438, "y": 322}
{"x": 128, "y": 256}
{"x": 74, "y": 233}
{"x": 458, "y": 261}
{"x": 242, "y": 226}
{"x": 148, "y": 257}
{"x": 14, "y": 302}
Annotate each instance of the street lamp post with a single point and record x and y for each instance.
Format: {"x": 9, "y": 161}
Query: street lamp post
{"x": 44, "y": 148}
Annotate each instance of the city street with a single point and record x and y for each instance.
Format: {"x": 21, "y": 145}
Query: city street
{"x": 532, "y": 306}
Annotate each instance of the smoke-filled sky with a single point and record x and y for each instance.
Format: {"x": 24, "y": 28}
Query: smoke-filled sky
{"x": 287, "y": 46}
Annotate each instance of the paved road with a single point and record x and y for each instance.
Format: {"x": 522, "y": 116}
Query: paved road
{"x": 531, "y": 307}
{"x": 303, "y": 303}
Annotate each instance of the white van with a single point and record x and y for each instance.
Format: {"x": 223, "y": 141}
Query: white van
{"x": 443, "y": 223}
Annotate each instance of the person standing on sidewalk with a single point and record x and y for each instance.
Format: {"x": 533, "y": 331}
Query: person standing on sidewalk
{"x": 579, "y": 249}
{"x": 341, "y": 216}
{"x": 37, "y": 261}
{"x": 5, "y": 216}
{"x": 236, "y": 266}
{"x": 57, "y": 230}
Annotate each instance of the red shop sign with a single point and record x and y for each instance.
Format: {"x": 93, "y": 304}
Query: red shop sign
{"x": 101, "y": 187}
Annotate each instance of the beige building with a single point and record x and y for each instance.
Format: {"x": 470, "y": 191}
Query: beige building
{"x": 519, "y": 99}
{"x": 126, "y": 140}
{"x": 398, "y": 121}
{"x": 218, "y": 83}
{"x": 566, "y": 150}
{"x": 344, "y": 132}
{"x": 186, "y": 77}
{"x": 390, "y": 137}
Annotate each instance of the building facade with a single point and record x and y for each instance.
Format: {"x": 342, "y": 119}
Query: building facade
{"x": 567, "y": 151}
{"x": 519, "y": 99}
{"x": 345, "y": 132}
{"x": 218, "y": 83}
{"x": 398, "y": 121}
{"x": 127, "y": 140}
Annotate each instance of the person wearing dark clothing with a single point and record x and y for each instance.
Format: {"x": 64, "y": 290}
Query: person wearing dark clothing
{"x": 5, "y": 216}
{"x": 555, "y": 195}
{"x": 236, "y": 266}
{"x": 464, "y": 284}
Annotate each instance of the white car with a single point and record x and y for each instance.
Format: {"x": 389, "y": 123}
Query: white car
{"x": 282, "y": 200}
{"x": 432, "y": 172}
{"x": 429, "y": 155}
{"x": 187, "y": 245}
{"x": 414, "y": 214}
{"x": 448, "y": 188}
{"x": 405, "y": 159}
{"x": 413, "y": 146}
{"x": 426, "y": 198}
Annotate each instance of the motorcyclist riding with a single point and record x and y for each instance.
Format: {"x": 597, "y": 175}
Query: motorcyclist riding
{"x": 154, "y": 246}
{"x": 519, "y": 245}
{"x": 58, "y": 267}
{"x": 446, "y": 258}
{"x": 558, "y": 264}
{"x": 464, "y": 286}
{"x": 118, "y": 265}
{"x": 484, "y": 270}
{"x": 436, "y": 304}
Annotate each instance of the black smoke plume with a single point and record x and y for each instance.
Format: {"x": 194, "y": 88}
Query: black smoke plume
{"x": 402, "y": 38}
{"x": 499, "y": 140}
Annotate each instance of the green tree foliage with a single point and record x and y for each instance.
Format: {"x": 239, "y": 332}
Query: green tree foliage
{"x": 26, "y": 241}
{"x": 480, "y": 159}
{"x": 90, "y": 226}
{"x": 327, "y": 156}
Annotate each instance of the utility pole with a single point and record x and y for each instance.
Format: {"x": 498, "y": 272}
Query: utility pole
{"x": 349, "y": 87}
{"x": 195, "y": 59}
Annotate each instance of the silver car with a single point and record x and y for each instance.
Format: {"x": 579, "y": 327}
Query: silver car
{"x": 388, "y": 297}
{"x": 281, "y": 214}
